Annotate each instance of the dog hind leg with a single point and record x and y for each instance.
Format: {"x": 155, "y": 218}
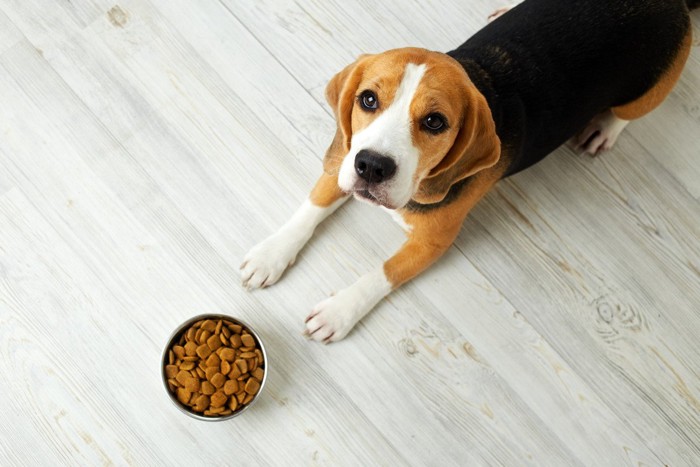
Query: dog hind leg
{"x": 602, "y": 132}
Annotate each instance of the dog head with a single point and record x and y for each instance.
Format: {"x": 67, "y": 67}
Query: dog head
{"x": 410, "y": 125}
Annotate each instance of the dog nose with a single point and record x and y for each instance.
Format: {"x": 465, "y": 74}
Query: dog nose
{"x": 373, "y": 167}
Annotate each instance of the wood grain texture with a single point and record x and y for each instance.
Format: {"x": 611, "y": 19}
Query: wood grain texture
{"x": 147, "y": 145}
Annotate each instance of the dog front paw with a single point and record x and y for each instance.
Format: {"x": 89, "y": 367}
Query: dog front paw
{"x": 266, "y": 261}
{"x": 333, "y": 318}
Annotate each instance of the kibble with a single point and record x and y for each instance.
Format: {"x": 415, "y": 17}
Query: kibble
{"x": 215, "y": 368}
{"x": 207, "y": 388}
{"x": 190, "y": 347}
{"x": 230, "y": 387}
{"x": 247, "y": 340}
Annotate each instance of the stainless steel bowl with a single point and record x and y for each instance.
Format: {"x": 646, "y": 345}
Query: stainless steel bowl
{"x": 176, "y": 335}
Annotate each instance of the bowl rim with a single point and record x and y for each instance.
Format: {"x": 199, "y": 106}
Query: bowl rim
{"x": 164, "y": 358}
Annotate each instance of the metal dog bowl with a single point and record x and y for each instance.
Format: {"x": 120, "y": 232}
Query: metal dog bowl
{"x": 175, "y": 336}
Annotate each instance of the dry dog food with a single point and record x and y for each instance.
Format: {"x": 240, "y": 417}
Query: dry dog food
{"x": 215, "y": 368}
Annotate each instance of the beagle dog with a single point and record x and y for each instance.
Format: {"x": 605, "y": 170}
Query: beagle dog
{"x": 425, "y": 134}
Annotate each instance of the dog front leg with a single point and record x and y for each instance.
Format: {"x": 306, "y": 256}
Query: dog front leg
{"x": 266, "y": 261}
{"x": 333, "y": 318}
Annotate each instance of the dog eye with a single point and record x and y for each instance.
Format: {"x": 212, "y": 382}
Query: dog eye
{"x": 368, "y": 100}
{"x": 435, "y": 123}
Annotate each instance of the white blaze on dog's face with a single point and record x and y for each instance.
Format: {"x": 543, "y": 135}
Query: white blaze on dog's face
{"x": 408, "y": 108}
{"x": 383, "y": 158}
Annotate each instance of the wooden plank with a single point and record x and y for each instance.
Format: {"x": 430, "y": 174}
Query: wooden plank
{"x": 669, "y": 132}
{"x": 9, "y": 34}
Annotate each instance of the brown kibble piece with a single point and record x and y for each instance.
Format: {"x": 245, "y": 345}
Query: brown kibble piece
{"x": 187, "y": 366}
{"x": 209, "y": 325}
{"x": 236, "y": 341}
{"x": 242, "y": 365}
{"x": 210, "y": 372}
{"x": 252, "y": 386}
{"x": 208, "y": 388}
{"x": 203, "y": 351}
{"x": 235, "y": 328}
{"x": 258, "y": 374}
{"x": 171, "y": 371}
{"x": 235, "y": 372}
{"x": 179, "y": 351}
{"x": 190, "y": 348}
{"x": 217, "y": 410}
{"x": 192, "y": 385}
{"x": 214, "y": 342}
{"x": 213, "y": 360}
{"x": 225, "y": 367}
{"x": 218, "y": 327}
{"x": 189, "y": 336}
{"x": 204, "y": 336}
{"x": 248, "y": 398}
{"x": 218, "y": 399}
{"x": 247, "y": 355}
{"x": 228, "y": 354}
{"x": 230, "y": 387}
{"x": 171, "y": 357}
{"x": 226, "y": 332}
{"x": 193, "y": 358}
{"x": 201, "y": 403}
{"x": 233, "y": 404}
{"x": 183, "y": 395}
{"x": 248, "y": 340}
{"x": 223, "y": 340}
{"x": 182, "y": 377}
{"x": 201, "y": 374}
{"x": 218, "y": 380}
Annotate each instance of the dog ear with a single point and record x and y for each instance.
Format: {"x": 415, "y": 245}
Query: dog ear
{"x": 476, "y": 147}
{"x": 340, "y": 94}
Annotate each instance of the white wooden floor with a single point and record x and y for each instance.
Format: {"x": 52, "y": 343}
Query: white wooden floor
{"x": 146, "y": 146}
